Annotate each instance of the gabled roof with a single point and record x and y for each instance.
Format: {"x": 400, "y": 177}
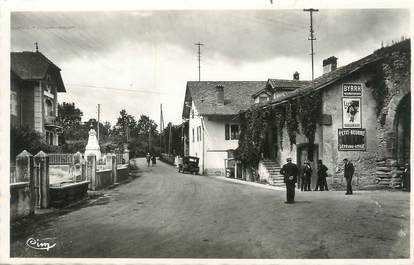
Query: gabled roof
{"x": 274, "y": 85}
{"x": 237, "y": 96}
{"x": 341, "y": 72}
{"x": 34, "y": 66}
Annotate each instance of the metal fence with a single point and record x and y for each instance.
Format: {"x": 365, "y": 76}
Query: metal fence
{"x": 60, "y": 158}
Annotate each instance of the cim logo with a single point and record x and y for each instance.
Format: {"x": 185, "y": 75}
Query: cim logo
{"x": 39, "y": 244}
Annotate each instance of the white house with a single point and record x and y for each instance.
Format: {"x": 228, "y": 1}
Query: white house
{"x": 211, "y": 109}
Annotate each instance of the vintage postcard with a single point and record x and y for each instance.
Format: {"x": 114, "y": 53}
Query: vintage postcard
{"x": 276, "y": 134}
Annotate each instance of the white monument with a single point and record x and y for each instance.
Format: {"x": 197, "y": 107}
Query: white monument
{"x": 93, "y": 147}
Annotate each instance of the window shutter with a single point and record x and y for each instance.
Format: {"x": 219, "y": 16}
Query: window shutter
{"x": 227, "y": 132}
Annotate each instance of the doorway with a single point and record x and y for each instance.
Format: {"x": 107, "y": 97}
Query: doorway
{"x": 403, "y": 130}
{"x": 309, "y": 152}
{"x": 270, "y": 147}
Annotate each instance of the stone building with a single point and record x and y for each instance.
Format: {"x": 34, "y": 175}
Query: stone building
{"x": 35, "y": 82}
{"x": 365, "y": 117}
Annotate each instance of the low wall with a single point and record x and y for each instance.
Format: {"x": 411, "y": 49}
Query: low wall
{"x": 103, "y": 179}
{"x": 122, "y": 173}
{"x": 169, "y": 159}
{"x": 20, "y": 200}
{"x": 67, "y": 194}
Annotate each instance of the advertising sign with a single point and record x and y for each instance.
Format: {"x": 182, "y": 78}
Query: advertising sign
{"x": 352, "y": 90}
{"x": 352, "y": 139}
{"x": 351, "y": 113}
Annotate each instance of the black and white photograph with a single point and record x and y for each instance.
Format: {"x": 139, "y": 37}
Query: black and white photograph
{"x": 215, "y": 134}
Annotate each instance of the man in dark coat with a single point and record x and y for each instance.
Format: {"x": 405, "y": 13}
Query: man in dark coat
{"x": 322, "y": 174}
{"x": 348, "y": 174}
{"x": 306, "y": 176}
{"x": 290, "y": 172}
{"x": 406, "y": 178}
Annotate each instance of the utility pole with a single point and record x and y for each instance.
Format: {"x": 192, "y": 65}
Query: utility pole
{"x": 37, "y": 46}
{"x": 199, "y": 60}
{"x": 311, "y": 37}
{"x": 99, "y": 113}
{"x": 161, "y": 127}
{"x": 169, "y": 140}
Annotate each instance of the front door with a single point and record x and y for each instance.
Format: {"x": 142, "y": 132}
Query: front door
{"x": 303, "y": 153}
{"x": 270, "y": 144}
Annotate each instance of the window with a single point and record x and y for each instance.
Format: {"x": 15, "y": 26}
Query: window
{"x": 13, "y": 103}
{"x": 231, "y": 132}
{"x": 199, "y": 133}
{"x": 262, "y": 98}
{"x": 48, "y": 108}
{"x": 234, "y": 132}
{"x": 193, "y": 135}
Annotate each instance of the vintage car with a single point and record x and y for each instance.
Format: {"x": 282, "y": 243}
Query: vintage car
{"x": 189, "y": 164}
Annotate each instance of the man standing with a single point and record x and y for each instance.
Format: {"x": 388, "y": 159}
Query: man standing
{"x": 148, "y": 157}
{"x": 348, "y": 174}
{"x": 322, "y": 174}
{"x": 290, "y": 172}
{"x": 306, "y": 176}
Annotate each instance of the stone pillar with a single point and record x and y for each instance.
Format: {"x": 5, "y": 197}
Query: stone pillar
{"x": 77, "y": 166}
{"x": 25, "y": 173}
{"x": 42, "y": 162}
{"x": 91, "y": 171}
{"x": 114, "y": 169}
{"x": 126, "y": 154}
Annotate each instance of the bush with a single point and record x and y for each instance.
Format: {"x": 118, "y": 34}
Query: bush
{"x": 24, "y": 138}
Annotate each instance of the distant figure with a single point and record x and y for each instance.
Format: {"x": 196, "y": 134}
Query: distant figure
{"x": 306, "y": 176}
{"x": 406, "y": 178}
{"x": 148, "y": 159}
{"x": 154, "y": 160}
{"x": 290, "y": 172}
{"x": 321, "y": 183}
{"x": 348, "y": 174}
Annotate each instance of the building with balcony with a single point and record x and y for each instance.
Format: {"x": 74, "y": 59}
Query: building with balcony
{"x": 35, "y": 82}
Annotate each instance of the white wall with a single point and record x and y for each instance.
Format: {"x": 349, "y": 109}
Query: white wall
{"x": 215, "y": 145}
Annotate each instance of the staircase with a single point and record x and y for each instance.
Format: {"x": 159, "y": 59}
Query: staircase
{"x": 275, "y": 178}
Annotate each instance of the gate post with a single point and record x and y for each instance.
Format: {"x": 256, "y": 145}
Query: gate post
{"x": 25, "y": 173}
{"x": 42, "y": 161}
{"x": 77, "y": 166}
{"x": 114, "y": 168}
{"x": 91, "y": 171}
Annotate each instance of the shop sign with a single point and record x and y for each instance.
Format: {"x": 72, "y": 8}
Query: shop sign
{"x": 352, "y": 140}
{"x": 352, "y": 90}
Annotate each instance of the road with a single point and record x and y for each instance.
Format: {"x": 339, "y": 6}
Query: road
{"x": 165, "y": 214}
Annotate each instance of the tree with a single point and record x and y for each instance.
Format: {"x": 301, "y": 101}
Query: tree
{"x": 68, "y": 115}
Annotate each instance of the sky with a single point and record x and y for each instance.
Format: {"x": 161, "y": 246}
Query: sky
{"x": 137, "y": 60}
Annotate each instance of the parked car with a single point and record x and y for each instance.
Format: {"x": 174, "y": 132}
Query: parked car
{"x": 189, "y": 164}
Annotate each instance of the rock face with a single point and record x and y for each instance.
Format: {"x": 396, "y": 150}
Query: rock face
{"x": 93, "y": 147}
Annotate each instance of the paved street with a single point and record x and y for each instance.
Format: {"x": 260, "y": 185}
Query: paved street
{"x": 165, "y": 214}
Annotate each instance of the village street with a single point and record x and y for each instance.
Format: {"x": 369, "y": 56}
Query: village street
{"x": 165, "y": 214}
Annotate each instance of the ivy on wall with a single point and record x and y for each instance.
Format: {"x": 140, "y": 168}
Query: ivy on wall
{"x": 254, "y": 122}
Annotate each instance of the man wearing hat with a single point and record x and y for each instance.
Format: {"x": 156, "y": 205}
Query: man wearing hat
{"x": 290, "y": 172}
{"x": 348, "y": 174}
{"x": 306, "y": 176}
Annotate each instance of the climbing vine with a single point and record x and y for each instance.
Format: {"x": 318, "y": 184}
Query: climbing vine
{"x": 291, "y": 121}
{"x": 310, "y": 111}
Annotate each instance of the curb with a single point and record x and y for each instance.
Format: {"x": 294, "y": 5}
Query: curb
{"x": 254, "y": 184}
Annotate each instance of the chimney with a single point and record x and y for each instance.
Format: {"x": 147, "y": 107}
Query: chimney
{"x": 296, "y": 76}
{"x": 220, "y": 95}
{"x": 329, "y": 64}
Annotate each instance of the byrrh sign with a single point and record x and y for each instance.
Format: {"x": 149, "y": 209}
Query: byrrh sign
{"x": 352, "y": 90}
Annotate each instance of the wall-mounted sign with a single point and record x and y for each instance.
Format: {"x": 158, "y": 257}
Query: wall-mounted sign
{"x": 352, "y": 140}
{"x": 351, "y": 113}
{"x": 352, "y": 90}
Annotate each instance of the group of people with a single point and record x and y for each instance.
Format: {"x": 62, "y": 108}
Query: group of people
{"x": 291, "y": 172}
{"x": 150, "y": 158}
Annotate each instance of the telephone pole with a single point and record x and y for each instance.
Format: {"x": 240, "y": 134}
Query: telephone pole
{"x": 161, "y": 127}
{"x": 311, "y": 37}
{"x": 99, "y": 113}
{"x": 199, "y": 60}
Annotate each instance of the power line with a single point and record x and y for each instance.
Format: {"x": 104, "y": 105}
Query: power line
{"x": 115, "y": 88}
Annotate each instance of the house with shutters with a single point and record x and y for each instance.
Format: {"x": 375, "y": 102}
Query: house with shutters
{"x": 210, "y": 110}
{"x": 35, "y": 82}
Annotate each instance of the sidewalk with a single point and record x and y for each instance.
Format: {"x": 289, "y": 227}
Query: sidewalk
{"x": 244, "y": 182}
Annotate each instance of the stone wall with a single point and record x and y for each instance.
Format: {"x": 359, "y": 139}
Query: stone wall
{"x": 20, "y": 200}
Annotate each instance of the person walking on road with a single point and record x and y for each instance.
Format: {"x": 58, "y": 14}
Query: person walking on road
{"x": 154, "y": 160}
{"x": 290, "y": 172}
{"x": 348, "y": 174}
{"x": 406, "y": 178}
{"x": 321, "y": 183}
{"x": 148, "y": 159}
{"x": 306, "y": 176}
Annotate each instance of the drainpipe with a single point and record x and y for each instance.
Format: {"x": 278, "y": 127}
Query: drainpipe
{"x": 202, "y": 126}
